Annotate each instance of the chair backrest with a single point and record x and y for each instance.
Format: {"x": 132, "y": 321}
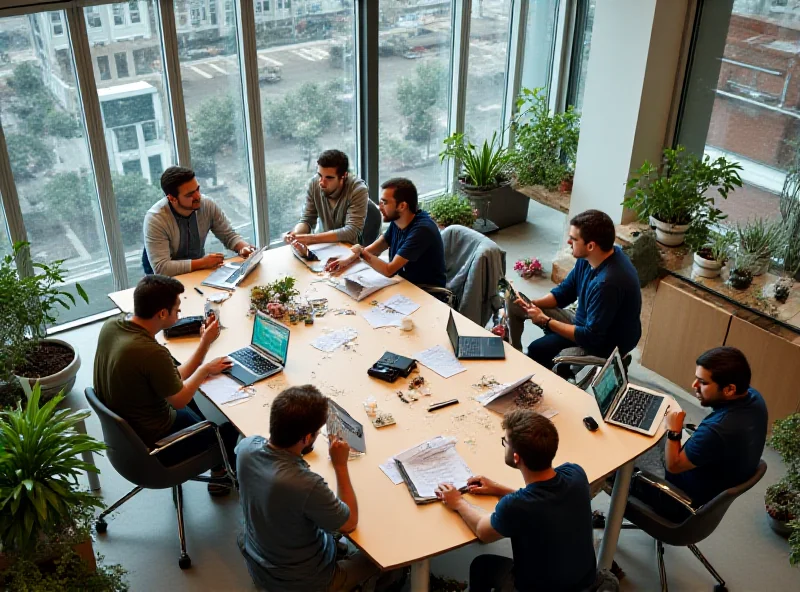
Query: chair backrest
{"x": 372, "y": 224}
{"x": 148, "y": 269}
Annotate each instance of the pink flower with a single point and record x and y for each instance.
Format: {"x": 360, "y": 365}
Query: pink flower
{"x": 528, "y": 267}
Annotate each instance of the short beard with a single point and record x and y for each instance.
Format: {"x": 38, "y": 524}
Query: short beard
{"x": 307, "y": 449}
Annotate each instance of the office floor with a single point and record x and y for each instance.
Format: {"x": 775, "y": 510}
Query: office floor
{"x": 143, "y": 537}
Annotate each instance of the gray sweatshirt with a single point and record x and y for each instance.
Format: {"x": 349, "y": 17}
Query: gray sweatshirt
{"x": 345, "y": 212}
{"x": 162, "y": 236}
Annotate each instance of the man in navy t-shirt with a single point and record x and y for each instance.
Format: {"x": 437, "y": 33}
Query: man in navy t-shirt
{"x": 606, "y": 286}
{"x": 549, "y": 521}
{"x": 726, "y": 448}
{"x": 416, "y": 250}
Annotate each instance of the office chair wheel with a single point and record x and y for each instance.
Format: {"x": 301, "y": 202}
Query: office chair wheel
{"x": 185, "y": 562}
{"x": 101, "y": 526}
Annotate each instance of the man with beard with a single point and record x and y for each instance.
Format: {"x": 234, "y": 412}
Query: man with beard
{"x": 289, "y": 511}
{"x": 338, "y": 200}
{"x": 176, "y": 227}
{"x": 549, "y": 521}
{"x": 416, "y": 250}
{"x": 726, "y": 448}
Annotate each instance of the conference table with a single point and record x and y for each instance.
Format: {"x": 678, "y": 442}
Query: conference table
{"x": 392, "y": 529}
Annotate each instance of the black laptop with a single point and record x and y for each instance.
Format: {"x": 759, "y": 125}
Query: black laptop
{"x": 474, "y": 348}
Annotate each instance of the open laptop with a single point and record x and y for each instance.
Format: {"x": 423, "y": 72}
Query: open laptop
{"x": 474, "y": 348}
{"x": 632, "y": 407}
{"x": 230, "y": 275}
{"x": 266, "y": 354}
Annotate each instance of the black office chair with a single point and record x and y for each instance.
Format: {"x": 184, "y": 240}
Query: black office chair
{"x": 570, "y": 366}
{"x": 441, "y": 294}
{"x": 148, "y": 269}
{"x": 135, "y": 462}
{"x": 698, "y": 525}
{"x": 372, "y": 224}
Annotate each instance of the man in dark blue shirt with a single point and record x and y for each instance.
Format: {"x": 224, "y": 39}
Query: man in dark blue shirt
{"x": 726, "y": 448}
{"x": 549, "y": 520}
{"x": 606, "y": 286}
{"x": 416, "y": 250}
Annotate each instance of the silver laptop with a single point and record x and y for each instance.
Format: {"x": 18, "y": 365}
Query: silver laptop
{"x": 632, "y": 407}
{"x": 266, "y": 354}
{"x": 231, "y": 275}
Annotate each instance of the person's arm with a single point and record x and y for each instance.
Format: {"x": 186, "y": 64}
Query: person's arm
{"x": 331, "y": 236}
{"x": 339, "y": 453}
{"x": 209, "y": 331}
{"x": 566, "y": 292}
{"x": 538, "y": 316}
{"x": 478, "y": 520}
{"x": 675, "y": 456}
{"x": 548, "y": 301}
{"x": 156, "y": 240}
{"x": 339, "y": 264}
{"x": 222, "y": 229}
{"x": 190, "y": 385}
{"x": 383, "y": 267}
{"x": 355, "y": 217}
{"x": 309, "y": 216}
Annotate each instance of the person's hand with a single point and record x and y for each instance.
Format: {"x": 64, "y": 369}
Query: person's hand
{"x": 449, "y": 495}
{"x": 534, "y": 312}
{"x": 212, "y": 260}
{"x": 339, "y": 264}
{"x": 217, "y": 365}
{"x": 247, "y": 251}
{"x": 209, "y": 330}
{"x": 289, "y": 237}
{"x": 304, "y": 239}
{"x": 481, "y": 485}
{"x": 339, "y": 451}
{"x": 675, "y": 421}
{"x": 300, "y": 247}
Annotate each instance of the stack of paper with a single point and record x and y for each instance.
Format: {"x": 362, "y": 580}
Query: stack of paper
{"x": 222, "y": 389}
{"x": 361, "y": 280}
{"x": 328, "y": 342}
{"x": 321, "y": 253}
{"x": 425, "y": 466}
{"x": 390, "y": 313}
{"x": 440, "y": 360}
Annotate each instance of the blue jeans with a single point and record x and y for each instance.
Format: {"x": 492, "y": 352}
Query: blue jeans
{"x": 194, "y": 445}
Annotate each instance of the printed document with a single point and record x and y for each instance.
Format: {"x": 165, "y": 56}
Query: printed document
{"x": 427, "y": 465}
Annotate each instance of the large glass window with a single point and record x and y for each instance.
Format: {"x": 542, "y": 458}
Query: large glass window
{"x": 135, "y": 115}
{"x": 537, "y": 61}
{"x": 414, "y": 63}
{"x": 306, "y": 74}
{"x": 581, "y": 51}
{"x": 488, "y": 57}
{"x": 41, "y": 118}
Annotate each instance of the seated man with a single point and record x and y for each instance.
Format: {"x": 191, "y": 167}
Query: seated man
{"x": 606, "y": 286}
{"x": 338, "y": 200}
{"x": 289, "y": 511}
{"x": 176, "y": 227}
{"x": 549, "y": 520}
{"x": 416, "y": 250}
{"x": 726, "y": 448}
{"x": 135, "y": 376}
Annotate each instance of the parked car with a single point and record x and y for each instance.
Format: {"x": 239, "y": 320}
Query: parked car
{"x": 269, "y": 74}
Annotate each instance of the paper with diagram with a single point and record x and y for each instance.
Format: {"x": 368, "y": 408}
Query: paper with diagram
{"x": 425, "y": 466}
{"x": 361, "y": 280}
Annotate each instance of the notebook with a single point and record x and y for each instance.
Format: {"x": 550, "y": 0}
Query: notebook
{"x": 429, "y": 464}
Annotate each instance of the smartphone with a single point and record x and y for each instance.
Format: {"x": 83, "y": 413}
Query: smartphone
{"x": 525, "y": 298}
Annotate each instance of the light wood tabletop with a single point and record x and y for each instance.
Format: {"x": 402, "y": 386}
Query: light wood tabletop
{"x": 392, "y": 529}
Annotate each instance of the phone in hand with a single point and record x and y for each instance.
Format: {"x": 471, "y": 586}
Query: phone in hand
{"x": 525, "y": 298}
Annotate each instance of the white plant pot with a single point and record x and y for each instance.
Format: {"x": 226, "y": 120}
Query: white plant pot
{"x": 761, "y": 266}
{"x": 705, "y": 267}
{"x": 63, "y": 380}
{"x": 669, "y": 235}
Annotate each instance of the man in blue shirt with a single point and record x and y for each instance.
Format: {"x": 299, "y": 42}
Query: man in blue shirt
{"x": 606, "y": 286}
{"x": 549, "y": 520}
{"x": 726, "y": 448}
{"x": 416, "y": 250}
{"x": 289, "y": 511}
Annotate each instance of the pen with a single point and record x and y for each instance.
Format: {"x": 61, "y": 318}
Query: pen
{"x": 198, "y": 290}
{"x": 436, "y": 406}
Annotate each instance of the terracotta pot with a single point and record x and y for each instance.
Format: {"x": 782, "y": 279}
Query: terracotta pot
{"x": 707, "y": 268}
{"x": 63, "y": 380}
{"x": 669, "y": 235}
{"x": 565, "y": 186}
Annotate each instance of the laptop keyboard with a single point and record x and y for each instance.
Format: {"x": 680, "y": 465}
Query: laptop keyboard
{"x": 253, "y": 361}
{"x": 469, "y": 347}
{"x": 637, "y": 409}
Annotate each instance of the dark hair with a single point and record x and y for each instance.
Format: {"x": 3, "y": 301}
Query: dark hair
{"x": 174, "y": 177}
{"x": 154, "y": 293}
{"x": 334, "y": 158}
{"x": 533, "y": 437}
{"x": 296, "y": 412}
{"x": 727, "y": 365}
{"x": 404, "y": 191}
{"x": 597, "y": 227}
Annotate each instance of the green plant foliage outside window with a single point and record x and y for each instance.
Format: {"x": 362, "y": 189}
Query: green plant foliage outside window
{"x": 452, "y": 209}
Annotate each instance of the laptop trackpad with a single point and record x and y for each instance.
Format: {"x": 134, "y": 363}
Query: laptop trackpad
{"x": 241, "y": 374}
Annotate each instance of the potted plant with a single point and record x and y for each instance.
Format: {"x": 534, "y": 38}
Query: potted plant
{"x": 677, "y": 201}
{"x": 280, "y": 291}
{"x": 44, "y": 515}
{"x": 741, "y": 270}
{"x": 761, "y": 239}
{"x": 28, "y": 304}
{"x": 452, "y": 209}
{"x": 782, "y": 500}
{"x": 708, "y": 260}
{"x": 545, "y": 142}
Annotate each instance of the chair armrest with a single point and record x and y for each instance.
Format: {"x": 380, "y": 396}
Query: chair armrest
{"x": 181, "y": 435}
{"x": 579, "y": 361}
{"x": 667, "y": 488}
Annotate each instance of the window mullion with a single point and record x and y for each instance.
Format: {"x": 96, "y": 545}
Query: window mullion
{"x": 172, "y": 71}
{"x": 567, "y": 22}
{"x": 11, "y": 208}
{"x": 516, "y": 55}
{"x": 459, "y": 61}
{"x": 367, "y": 107}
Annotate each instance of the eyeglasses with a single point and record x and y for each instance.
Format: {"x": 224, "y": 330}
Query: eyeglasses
{"x": 503, "y": 441}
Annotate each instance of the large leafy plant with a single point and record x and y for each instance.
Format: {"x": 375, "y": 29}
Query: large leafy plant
{"x": 483, "y": 166}
{"x": 546, "y": 143}
{"x": 452, "y": 209}
{"x": 28, "y": 304}
{"x": 39, "y": 469}
{"x": 783, "y": 498}
{"x": 679, "y": 194}
{"x": 760, "y": 238}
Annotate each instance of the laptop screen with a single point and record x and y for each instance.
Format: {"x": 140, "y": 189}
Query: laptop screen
{"x": 271, "y": 336}
{"x": 452, "y": 332}
{"x": 608, "y": 383}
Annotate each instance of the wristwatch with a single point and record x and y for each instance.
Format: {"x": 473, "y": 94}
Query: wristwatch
{"x": 674, "y": 436}
{"x": 547, "y": 324}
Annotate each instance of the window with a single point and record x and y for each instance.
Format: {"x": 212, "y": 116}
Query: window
{"x": 121, "y": 60}
{"x": 229, "y": 12}
{"x": 212, "y": 12}
{"x": 93, "y": 17}
{"x": 132, "y": 113}
{"x": 133, "y": 11}
{"x": 103, "y": 67}
{"x": 119, "y": 14}
{"x": 308, "y": 96}
{"x": 581, "y": 49}
{"x": 414, "y": 70}
{"x": 156, "y": 168}
{"x": 537, "y": 61}
{"x": 43, "y": 126}
{"x": 58, "y": 27}
{"x": 213, "y": 94}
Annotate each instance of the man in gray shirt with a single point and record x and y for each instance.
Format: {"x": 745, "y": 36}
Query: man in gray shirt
{"x": 338, "y": 199}
{"x": 176, "y": 227}
{"x": 289, "y": 511}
